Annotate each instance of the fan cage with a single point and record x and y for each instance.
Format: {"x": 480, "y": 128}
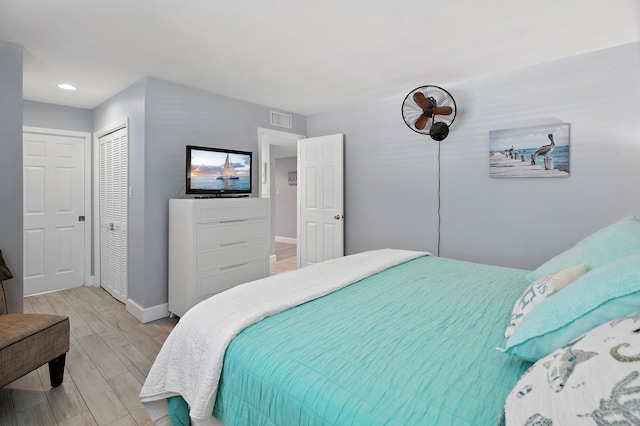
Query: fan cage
{"x": 411, "y": 111}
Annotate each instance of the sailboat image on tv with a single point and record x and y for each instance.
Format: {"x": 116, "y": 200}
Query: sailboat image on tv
{"x": 228, "y": 173}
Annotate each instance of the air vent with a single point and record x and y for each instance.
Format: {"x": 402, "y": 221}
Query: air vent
{"x": 281, "y": 120}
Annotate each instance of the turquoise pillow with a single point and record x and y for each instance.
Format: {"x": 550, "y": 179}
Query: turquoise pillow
{"x": 601, "y": 295}
{"x": 610, "y": 243}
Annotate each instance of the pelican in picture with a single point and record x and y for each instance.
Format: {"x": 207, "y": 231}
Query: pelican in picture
{"x": 544, "y": 150}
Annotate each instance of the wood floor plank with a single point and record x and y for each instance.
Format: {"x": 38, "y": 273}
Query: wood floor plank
{"x": 166, "y": 327}
{"x": 84, "y": 419}
{"x": 128, "y": 389}
{"x": 65, "y": 400}
{"x": 100, "y": 327}
{"x": 38, "y": 299}
{"x": 159, "y": 328}
{"x": 137, "y": 363}
{"x": 125, "y": 421}
{"x": 61, "y": 306}
{"x": 76, "y": 354}
{"x": 7, "y": 412}
{"x": 128, "y": 327}
{"x": 79, "y": 326}
{"x": 40, "y": 415}
{"x": 27, "y": 392}
{"x": 106, "y": 298}
{"x": 102, "y": 356}
{"x": 102, "y": 401}
{"x": 104, "y": 306}
{"x": 58, "y": 301}
{"x": 26, "y": 306}
{"x": 285, "y": 258}
{"x": 71, "y": 295}
{"x": 43, "y": 308}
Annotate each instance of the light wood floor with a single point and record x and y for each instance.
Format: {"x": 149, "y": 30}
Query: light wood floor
{"x": 110, "y": 356}
{"x": 285, "y": 258}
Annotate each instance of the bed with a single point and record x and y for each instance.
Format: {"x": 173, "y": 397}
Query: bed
{"x": 400, "y": 337}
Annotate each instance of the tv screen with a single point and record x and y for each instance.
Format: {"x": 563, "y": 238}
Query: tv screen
{"x": 216, "y": 171}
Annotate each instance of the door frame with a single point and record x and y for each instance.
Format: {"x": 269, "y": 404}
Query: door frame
{"x": 88, "y": 212}
{"x": 120, "y": 124}
{"x": 265, "y": 168}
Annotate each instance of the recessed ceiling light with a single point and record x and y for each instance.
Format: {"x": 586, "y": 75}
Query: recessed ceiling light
{"x": 67, "y": 86}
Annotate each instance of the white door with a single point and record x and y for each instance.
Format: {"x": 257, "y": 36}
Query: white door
{"x": 54, "y": 202}
{"x": 320, "y": 199}
{"x": 113, "y": 182}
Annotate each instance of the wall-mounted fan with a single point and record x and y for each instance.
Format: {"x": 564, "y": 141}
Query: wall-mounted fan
{"x": 429, "y": 110}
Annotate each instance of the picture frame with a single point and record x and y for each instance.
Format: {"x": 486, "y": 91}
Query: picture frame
{"x": 292, "y": 178}
{"x": 535, "y": 151}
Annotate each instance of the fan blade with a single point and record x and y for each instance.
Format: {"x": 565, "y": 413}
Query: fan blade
{"x": 421, "y": 122}
{"x": 445, "y": 110}
{"x": 421, "y": 100}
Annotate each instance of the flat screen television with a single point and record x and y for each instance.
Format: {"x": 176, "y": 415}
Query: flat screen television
{"x": 217, "y": 172}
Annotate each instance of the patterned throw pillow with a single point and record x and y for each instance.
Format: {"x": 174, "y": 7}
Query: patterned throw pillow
{"x": 539, "y": 290}
{"x": 595, "y": 379}
{"x": 601, "y": 295}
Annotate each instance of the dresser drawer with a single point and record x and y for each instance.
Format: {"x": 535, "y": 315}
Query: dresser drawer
{"x": 234, "y": 231}
{"x": 230, "y": 255}
{"x": 226, "y": 278}
{"x": 246, "y": 211}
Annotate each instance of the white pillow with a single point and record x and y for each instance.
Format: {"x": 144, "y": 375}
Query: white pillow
{"x": 595, "y": 379}
{"x": 539, "y": 290}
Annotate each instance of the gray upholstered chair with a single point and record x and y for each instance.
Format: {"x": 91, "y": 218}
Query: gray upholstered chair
{"x": 28, "y": 341}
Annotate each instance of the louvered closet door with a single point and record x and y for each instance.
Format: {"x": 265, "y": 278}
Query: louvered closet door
{"x": 113, "y": 213}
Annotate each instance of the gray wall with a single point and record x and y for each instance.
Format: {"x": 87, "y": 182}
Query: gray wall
{"x": 177, "y": 116}
{"x": 391, "y": 173}
{"x": 173, "y": 116}
{"x": 163, "y": 118}
{"x": 286, "y": 198}
{"x": 11, "y": 227}
{"x": 50, "y": 116}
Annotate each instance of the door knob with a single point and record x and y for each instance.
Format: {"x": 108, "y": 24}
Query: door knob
{"x": 338, "y": 217}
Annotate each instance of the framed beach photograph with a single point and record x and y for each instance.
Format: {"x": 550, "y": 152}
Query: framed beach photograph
{"x": 537, "y": 151}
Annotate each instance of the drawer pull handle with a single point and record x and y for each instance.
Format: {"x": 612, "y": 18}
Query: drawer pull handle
{"x": 234, "y": 243}
{"x": 233, "y": 220}
{"x": 237, "y": 265}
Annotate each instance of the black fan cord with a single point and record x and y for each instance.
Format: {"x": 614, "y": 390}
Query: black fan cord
{"x": 438, "y": 250}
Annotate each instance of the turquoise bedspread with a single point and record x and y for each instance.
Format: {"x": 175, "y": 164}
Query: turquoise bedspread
{"x": 412, "y": 345}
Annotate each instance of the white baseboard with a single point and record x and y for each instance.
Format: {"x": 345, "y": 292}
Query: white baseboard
{"x": 145, "y": 315}
{"x": 286, "y": 240}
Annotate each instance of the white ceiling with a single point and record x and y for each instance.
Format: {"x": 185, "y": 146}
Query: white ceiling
{"x": 302, "y": 56}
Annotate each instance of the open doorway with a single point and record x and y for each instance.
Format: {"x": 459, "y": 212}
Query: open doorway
{"x": 277, "y": 153}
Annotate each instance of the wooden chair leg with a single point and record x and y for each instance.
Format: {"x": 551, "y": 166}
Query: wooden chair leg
{"x": 56, "y": 370}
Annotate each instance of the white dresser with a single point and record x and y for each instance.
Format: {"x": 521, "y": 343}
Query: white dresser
{"x": 215, "y": 244}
